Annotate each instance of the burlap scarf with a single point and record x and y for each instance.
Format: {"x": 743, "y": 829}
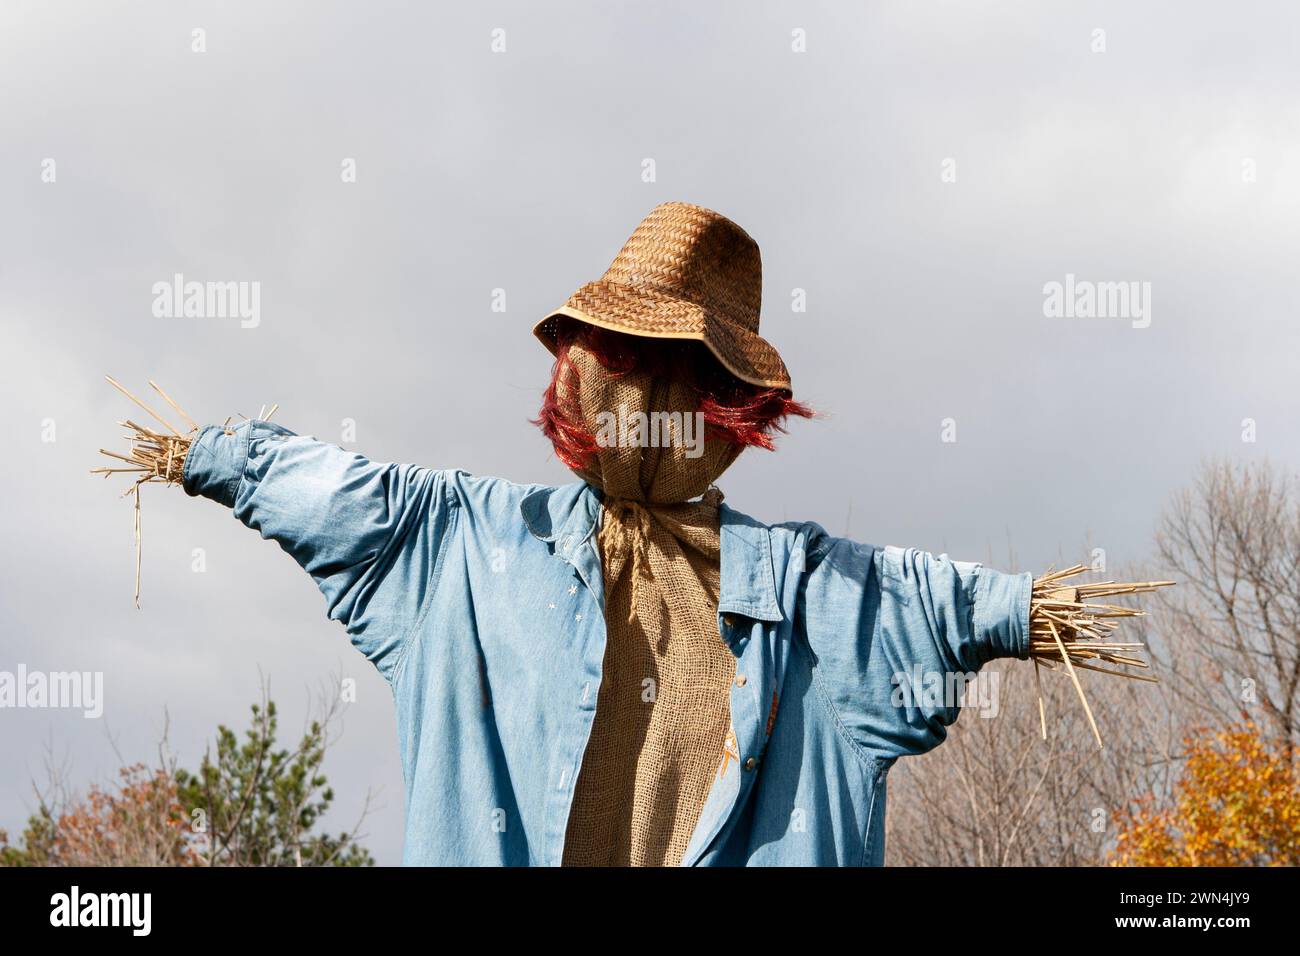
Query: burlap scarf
{"x": 663, "y": 711}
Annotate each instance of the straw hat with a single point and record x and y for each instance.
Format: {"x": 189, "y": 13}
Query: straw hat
{"x": 686, "y": 273}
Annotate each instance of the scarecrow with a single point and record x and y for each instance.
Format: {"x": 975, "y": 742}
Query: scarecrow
{"x": 625, "y": 670}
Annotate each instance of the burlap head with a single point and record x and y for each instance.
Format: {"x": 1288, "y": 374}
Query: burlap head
{"x": 663, "y": 709}
{"x": 671, "y": 460}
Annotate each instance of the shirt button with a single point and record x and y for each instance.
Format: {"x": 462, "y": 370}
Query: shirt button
{"x": 740, "y": 680}
{"x": 728, "y": 620}
{"x": 751, "y": 763}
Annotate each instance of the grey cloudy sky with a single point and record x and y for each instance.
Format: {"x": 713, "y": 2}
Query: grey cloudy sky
{"x": 522, "y": 171}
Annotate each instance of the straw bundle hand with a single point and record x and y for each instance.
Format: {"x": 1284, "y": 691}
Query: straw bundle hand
{"x": 152, "y": 454}
{"x": 1070, "y": 628}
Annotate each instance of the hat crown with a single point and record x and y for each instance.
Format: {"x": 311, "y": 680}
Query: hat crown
{"x": 697, "y": 255}
{"x": 685, "y": 273}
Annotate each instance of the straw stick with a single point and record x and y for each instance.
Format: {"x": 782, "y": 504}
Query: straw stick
{"x": 113, "y": 454}
{"x": 170, "y": 427}
{"x": 138, "y": 549}
{"x": 167, "y": 398}
{"x": 1042, "y": 708}
{"x": 1102, "y": 670}
{"x": 1079, "y": 687}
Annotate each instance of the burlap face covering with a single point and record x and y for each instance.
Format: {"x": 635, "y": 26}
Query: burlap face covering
{"x": 663, "y": 711}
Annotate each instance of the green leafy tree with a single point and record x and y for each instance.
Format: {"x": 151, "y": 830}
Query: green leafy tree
{"x": 258, "y": 804}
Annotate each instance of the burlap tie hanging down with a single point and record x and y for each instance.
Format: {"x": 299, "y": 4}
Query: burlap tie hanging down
{"x": 663, "y": 711}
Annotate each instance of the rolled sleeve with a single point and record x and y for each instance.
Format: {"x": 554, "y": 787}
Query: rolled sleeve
{"x": 214, "y": 465}
{"x": 1001, "y": 614}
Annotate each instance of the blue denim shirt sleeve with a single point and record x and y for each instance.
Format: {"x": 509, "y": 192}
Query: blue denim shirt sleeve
{"x": 887, "y": 626}
{"x": 938, "y": 619}
{"x": 367, "y": 533}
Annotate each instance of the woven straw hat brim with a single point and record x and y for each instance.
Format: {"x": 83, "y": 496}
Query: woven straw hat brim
{"x": 636, "y": 310}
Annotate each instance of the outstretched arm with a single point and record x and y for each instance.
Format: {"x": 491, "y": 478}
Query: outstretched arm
{"x": 939, "y": 622}
{"x": 923, "y": 626}
{"x": 897, "y": 633}
{"x": 366, "y": 532}
{"x": 343, "y": 518}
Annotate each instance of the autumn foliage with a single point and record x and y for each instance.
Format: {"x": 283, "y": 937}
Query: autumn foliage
{"x": 140, "y": 822}
{"x": 251, "y": 803}
{"x": 1237, "y": 803}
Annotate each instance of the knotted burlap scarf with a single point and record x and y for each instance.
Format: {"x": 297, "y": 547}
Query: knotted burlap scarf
{"x": 663, "y": 711}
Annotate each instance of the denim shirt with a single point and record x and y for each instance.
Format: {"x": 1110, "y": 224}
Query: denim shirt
{"x": 481, "y": 602}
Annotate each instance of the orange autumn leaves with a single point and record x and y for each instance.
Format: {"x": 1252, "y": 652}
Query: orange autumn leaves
{"x": 1236, "y": 803}
{"x": 140, "y": 823}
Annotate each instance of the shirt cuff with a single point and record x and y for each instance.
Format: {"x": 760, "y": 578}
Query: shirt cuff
{"x": 1001, "y": 619}
{"x": 214, "y": 465}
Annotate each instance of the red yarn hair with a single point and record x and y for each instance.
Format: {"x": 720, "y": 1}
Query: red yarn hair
{"x": 734, "y": 411}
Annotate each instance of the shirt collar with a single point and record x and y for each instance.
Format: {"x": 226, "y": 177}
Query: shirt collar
{"x": 748, "y": 583}
{"x": 567, "y": 517}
